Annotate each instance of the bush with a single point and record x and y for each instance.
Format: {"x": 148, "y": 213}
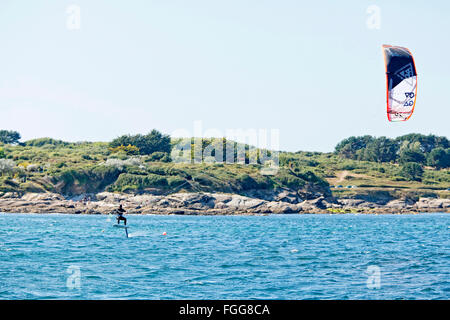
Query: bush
{"x": 246, "y": 182}
{"x": 290, "y": 181}
{"x": 348, "y": 166}
{"x": 155, "y": 141}
{"x": 427, "y": 143}
{"x": 439, "y": 158}
{"x": 412, "y": 171}
{"x": 158, "y": 170}
{"x": 349, "y": 147}
{"x": 33, "y": 168}
{"x": 45, "y": 141}
{"x": 159, "y": 156}
{"x": 61, "y": 164}
{"x": 6, "y": 166}
{"x": 86, "y": 180}
{"x": 312, "y": 163}
{"x": 121, "y": 164}
{"x": 411, "y": 155}
{"x": 129, "y": 149}
{"x": 33, "y": 187}
{"x": 175, "y": 182}
{"x": 204, "y": 180}
{"x": 380, "y": 150}
{"x": 139, "y": 182}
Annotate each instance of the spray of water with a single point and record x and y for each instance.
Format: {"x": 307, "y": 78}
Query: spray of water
{"x": 138, "y": 234}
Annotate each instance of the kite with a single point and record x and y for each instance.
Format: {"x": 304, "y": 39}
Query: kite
{"x": 401, "y": 80}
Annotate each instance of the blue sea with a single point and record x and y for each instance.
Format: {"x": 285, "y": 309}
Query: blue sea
{"x": 225, "y": 257}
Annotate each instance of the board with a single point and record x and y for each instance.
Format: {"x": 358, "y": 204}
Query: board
{"x": 121, "y": 226}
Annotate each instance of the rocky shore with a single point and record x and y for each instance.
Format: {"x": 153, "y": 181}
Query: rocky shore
{"x": 283, "y": 202}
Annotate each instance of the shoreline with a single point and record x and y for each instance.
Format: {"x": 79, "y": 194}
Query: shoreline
{"x": 376, "y": 213}
{"x": 203, "y": 203}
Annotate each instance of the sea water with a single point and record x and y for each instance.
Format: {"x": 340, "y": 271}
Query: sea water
{"x": 335, "y": 256}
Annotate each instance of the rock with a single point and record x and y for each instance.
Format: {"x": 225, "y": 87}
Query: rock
{"x": 432, "y": 203}
{"x": 279, "y": 194}
{"x": 351, "y": 202}
{"x": 280, "y": 207}
{"x": 280, "y": 202}
{"x": 319, "y": 203}
{"x": 244, "y": 203}
{"x": 11, "y": 195}
{"x": 42, "y": 197}
{"x": 307, "y": 206}
{"x": 397, "y": 204}
{"x": 358, "y": 203}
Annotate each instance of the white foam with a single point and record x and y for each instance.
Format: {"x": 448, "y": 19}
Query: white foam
{"x": 138, "y": 234}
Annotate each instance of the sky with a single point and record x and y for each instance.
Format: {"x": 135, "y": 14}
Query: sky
{"x": 313, "y": 70}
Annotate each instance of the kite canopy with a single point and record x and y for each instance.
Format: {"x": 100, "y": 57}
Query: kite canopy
{"x": 401, "y": 82}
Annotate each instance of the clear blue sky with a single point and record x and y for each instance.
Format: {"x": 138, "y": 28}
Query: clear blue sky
{"x": 311, "y": 69}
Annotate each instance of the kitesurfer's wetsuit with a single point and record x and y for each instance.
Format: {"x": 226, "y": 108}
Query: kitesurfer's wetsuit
{"x": 120, "y": 216}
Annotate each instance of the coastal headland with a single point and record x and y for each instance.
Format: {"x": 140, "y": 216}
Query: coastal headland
{"x": 157, "y": 174}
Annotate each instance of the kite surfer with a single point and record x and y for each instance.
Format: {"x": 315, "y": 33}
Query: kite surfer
{"x": 120, "y": 216}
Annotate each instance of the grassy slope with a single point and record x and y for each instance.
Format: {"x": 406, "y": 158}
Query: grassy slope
{"x": 77, "y": 168}
{"x": 370, "y": 176}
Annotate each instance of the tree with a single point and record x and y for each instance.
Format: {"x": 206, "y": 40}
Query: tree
{"x": 380, "y": 150}
{"x": 2, "y": 153}
{"x": 427, "y": 143}
{"x": 439, "y": 158}
{"x": 9, "y": 137}
{"x": 412, "y": 147}
{"x": 349, "y": 147}
{"x": 412, "y": 171}
{"x": 155, "y": 141}
{"x": 411, "y": 155}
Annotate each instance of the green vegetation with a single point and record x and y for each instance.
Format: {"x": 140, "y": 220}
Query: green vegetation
{"x": 45, "y": 141}
{"x": 408, "y": 148}
{"x": 361, "y": 167}
{"x": 9, "y": 137}
{"x": 412, "y": 171}
{"x": 145, "y": 144}
{"x": 402, "y": 163}
{"x": 439, "y": 158}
